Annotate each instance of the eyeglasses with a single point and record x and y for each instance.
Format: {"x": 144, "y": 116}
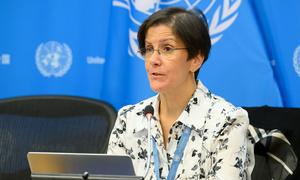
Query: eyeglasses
{"x": 164, "y": 52}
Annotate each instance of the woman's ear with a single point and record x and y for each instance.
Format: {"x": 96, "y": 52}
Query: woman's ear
{"x": 196, "y": 62}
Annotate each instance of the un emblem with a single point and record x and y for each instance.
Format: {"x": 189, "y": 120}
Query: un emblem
{"x": 53, "y": 59}
{"x": 296, "y": 60}
{"x": 220, "y": 15}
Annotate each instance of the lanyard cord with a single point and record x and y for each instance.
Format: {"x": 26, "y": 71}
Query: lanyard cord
{"x": 177, "y": 155}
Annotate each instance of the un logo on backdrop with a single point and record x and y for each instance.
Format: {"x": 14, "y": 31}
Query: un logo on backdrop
{"x": 220, "y": 15}
{"x": 53, "y": 59}
{"x": 296, "y": 60}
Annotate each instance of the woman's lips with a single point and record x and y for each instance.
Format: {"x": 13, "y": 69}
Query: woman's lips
{"x": 156, "y": 75}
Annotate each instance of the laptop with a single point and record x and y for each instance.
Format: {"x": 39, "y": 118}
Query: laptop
{"x": 67, "y": 166}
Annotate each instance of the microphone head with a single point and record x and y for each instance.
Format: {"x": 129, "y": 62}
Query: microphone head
{"x": 149, "y": 110}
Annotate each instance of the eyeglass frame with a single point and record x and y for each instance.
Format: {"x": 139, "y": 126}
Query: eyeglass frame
{"x": 160, "y": 52}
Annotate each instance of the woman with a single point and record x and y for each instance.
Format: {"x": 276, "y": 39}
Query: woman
{"x": 194, "y": 133}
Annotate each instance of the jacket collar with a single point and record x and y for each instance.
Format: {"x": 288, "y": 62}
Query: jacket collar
{"x": 191, "y": 116}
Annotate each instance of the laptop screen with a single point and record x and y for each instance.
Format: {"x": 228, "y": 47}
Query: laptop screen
{"x": 64, "y": 164}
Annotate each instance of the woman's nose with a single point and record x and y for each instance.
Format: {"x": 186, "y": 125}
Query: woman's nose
{"x": 155, "y": 58}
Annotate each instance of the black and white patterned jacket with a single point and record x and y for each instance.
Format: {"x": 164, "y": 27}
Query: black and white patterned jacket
{"x": 218, "y": 147}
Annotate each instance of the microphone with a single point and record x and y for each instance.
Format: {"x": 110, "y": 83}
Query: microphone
{"x": 148, "y": 113}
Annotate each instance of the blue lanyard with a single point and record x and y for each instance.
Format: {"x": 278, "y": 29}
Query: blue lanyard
{"x": 177, "y": 155}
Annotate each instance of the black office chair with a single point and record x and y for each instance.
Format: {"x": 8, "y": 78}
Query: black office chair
{"x": 53, "y": 124}
{"x": 287, "y": 120}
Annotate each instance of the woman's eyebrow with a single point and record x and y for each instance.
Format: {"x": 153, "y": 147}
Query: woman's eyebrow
{"x": 163, "y": 40}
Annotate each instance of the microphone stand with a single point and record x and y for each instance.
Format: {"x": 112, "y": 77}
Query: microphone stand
{"x": 148, "y": 112}
{"x": 149, "y": 143}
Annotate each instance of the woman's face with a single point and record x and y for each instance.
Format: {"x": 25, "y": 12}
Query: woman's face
{"x": 172, "y": 71}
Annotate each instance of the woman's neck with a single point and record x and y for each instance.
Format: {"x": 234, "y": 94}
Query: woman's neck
{"x": 174, "y": 102}
{"x": 171, "y": 106}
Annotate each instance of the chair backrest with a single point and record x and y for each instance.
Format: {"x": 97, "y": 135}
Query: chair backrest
{"x": 287, "y": 120}
{"x": 53, "y": 124}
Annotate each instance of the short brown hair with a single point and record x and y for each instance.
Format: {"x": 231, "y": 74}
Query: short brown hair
{"x": 190, "y": 26}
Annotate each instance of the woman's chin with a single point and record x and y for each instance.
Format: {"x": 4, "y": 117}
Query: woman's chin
{"x": 157, "y": 88}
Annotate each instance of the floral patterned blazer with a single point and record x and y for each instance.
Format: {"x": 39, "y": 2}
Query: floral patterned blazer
{"x": 217, "y": 147}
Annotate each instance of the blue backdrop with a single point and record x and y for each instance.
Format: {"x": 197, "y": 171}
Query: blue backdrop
{"x": 88, "y": 48}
